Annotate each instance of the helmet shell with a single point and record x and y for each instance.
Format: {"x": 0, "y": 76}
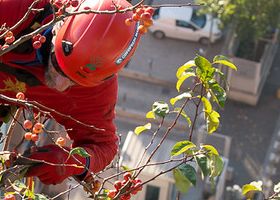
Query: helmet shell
{"x": 92, "y": 47}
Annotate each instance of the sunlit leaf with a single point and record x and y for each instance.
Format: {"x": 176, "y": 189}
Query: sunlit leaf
{"x": 276, "y": 188}
{"x": 212, "y": 121}
{"x": 210, "y": 149}
{"x": 40, "y": 197}
{"x": 80, "y": 151}
{"x": 179, "y": 97}
{"x": 182, "y": 147}
{"x": 182, "y": 79}
{"x": 202, "y": 63}
{"x": 160, "y": 108}
{"x": 150, "y": 115}
{"x": 217, "y": 92}
{"x": 225, "y": 62}
{"x": 206, "y": 104}
{"x": 184, "y": 67}
{"x": 140, "y": 129}
{"x": 251, "y": 187}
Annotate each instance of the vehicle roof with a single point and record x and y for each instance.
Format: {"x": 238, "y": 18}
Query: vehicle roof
{"x": 181, "y": 13}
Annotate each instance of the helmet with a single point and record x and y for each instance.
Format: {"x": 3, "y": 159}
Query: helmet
{"x": 92, "y": 47}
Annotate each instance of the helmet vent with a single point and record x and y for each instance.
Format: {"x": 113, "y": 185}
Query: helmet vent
{"x": 67, "y": 47}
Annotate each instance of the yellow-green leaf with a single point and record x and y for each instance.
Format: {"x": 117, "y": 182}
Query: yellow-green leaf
{"x": 210, "y": 149}
{"x": 182, "y": 147}
{"x": 207, "y": 105}
{"x": 184, "y": 67}
{"x": 150, "y": 115}
{"x": 182, "y": 78}
{"x": 183, "y": 113}
{"x": 253, "y": 186}
{"x": 140, "y": 129}
{"x": 226, "y": 63}
{"x": 216, "y": 165}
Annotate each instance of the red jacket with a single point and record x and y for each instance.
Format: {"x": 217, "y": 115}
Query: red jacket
{"x": 93, "y": 106}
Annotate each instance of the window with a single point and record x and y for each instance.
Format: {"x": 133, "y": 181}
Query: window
{"x": 156, "y": 14}
{"x": 199, "y": 20}
{"x": 184, "y": 24}
{"x": 152, "y": 192}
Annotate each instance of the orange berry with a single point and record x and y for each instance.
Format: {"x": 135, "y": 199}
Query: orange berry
{"x": 142, "y": 29}
{"x": 139, "y": 11}
{"x": 145, "y": 16}
{"x": 148, "y": 23}
{"x": 128, "y": 22}
{"x": 28, "y": 135}
{"x": 38, "y": 128}
{"x": 135, "y": 17}
{"x": 20, "y": 95}
{"x": 9, "y": 197}
{"x": 34, "y": 137}
{"x": 9, "y": 34}
{"x": 60, "y": 141}
{"x": 27, "y": 124}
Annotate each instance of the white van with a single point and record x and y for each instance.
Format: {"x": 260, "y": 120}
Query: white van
{"x": 184, "y": 23}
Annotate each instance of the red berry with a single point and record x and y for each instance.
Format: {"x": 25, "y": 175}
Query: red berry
{"x": 5, "y": 46}
{"x": 60, "y": 141}
{"x": 36, "y": 37}
{"x": 112, "y": 193}
{"x": 125, "y": 197}
{"x": 139, "y": 11}
{"x": 20, "y": 95}
{"x": 37, "y": 44}
{"x": 118, "y": 185}
{"x": 7, "y": 163}
{"x": 74, "y": 3}
{"x": 42, "y": 39}
{"x": 27, "y": 124}
{"x": 34, "y": 137}
{"x": 86, "y": 8}
{"x": 150, "y": 10}
{"x": 28, "y": 135}
{"x": 138, "y": 186}
{"x": 10, "y": 40}
{"x": 9, "y": 197}
{"x": 127, "y": 176}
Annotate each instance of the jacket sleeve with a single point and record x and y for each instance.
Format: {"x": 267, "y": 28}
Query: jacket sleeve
{"x": 96, "y": 107}
{"x": 11, "y": 11}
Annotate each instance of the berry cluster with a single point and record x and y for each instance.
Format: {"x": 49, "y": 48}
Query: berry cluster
{"x": 9, "y": 39}
{"x": 62, "y": 4}
{"x": 144, "y": 15}
{"x": 132, "y": 185}
{"x": 33, "y": 130}
{"x": 38, "y": 40}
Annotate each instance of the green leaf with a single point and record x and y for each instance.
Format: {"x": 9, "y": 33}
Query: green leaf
{"x": 202, "y": 162}
{"x": 179, "y": 97}
{"x": 185, "y": 177}
{"x": 150, "y": 115}
{"x": 226, "y": 63}
{"x": 181, "y": 70}
{"x": 182, "y": 78}
{"x": 210, "y": 149}
{"x": 140, "y": 129}
{"x": 206, "y": 104}
{"x": 216, "y": 165}
{"x": 220, "y": 57}
{"x": 251, "y": 187}
{"x": 183, "y": 113}
{"x": 40, "y": 197}
{"x": 217, "y": 92}
{"x": 182, "y": 147}
{"x": 202, "y": 63}
{"x": 80, "y": 151}
{"x": 160, "y": 108}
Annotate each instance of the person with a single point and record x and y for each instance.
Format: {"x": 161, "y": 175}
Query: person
{"x": 73, "y": 72}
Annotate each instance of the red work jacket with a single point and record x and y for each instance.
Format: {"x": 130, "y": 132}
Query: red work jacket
{"x": 94, "y": 106}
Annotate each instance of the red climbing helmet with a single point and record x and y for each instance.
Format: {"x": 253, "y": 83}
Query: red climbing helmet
{"x": 92, "y": 47}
